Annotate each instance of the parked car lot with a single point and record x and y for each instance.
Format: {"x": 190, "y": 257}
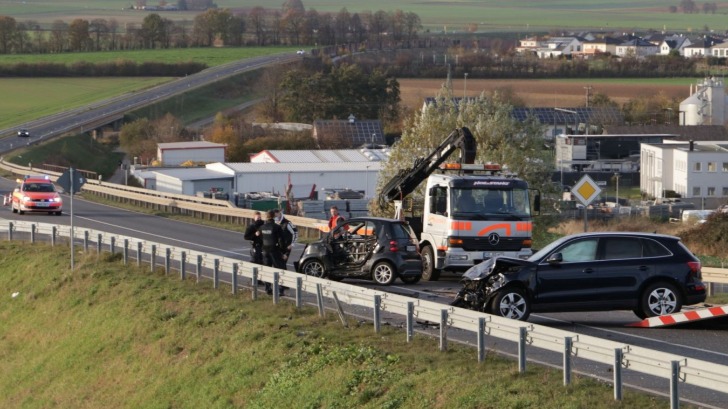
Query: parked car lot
{"x": 368, "y": 247}
{"x": 649, "y": 274}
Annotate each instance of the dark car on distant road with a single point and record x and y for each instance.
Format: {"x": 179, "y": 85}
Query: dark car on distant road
{"x": 367, "y": 247}
{"x": 23, "y": 133}
{"x": 649, "y": 274}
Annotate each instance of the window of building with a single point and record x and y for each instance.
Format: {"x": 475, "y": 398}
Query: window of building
{"x": 697, "y": 167}
{"x": 725, "y": 191}
{"x": 711, "y": 191}
{"x": 696, "y": 191}
{"x": 725, "y": 166}
{"x": 712, "y": 167}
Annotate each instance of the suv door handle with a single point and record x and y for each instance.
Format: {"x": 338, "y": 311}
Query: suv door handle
{"x": 643, "y": 268}
{"x": 588, "y": 270}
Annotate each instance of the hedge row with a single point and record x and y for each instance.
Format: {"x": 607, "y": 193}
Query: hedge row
{"x": 120, "y": 68}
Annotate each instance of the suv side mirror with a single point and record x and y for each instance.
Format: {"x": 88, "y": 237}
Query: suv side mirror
{"x": 555, "y": 258}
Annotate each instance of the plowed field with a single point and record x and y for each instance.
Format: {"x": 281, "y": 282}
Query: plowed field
{"x": 548, "y": 93}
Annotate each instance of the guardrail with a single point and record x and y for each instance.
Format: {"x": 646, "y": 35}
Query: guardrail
{"x": 675, "y": 369}
{"x": 224, "y": 211}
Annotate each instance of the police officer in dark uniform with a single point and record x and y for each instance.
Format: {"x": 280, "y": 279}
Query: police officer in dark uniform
{"x": 272, "y": 237}
{"x": 256, "y": 240}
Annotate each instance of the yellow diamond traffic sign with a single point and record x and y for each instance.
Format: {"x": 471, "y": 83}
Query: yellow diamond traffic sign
{"x": 586, "y": 190}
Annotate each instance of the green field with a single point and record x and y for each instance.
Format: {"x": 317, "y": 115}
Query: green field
{"x": 209, "y": 56}
{"x": 522, "y": 16}
{"x": 26, "y": 99}
{"x": 111, "y": 336}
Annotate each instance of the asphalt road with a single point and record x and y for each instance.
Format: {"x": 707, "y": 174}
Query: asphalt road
{"x": 706, "y": 341}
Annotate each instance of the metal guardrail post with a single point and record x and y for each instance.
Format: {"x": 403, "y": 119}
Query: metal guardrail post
{"x": 53, "y": 236}
{"x": 32, "y": 233}
{"x": 299, "y": 292}
{"x": 254, "y": 294}
{"x": 276, "y": 287}
{"x": 567, "y": 360}
{"x": 167, "y": 260}
{"x": 674, "y": 379}
{"x": 443, "y": 330}
{"x": 522, "y": 333}
{"x": 410, "y": 320}
{"x": 139, "y": 254}
{"x": 235, "y": 279}
{"x": 481, "y": 339}
{"x": 183, "y": 266}
{"x": 126, "y": 251}
{"x": 618, "y": 354}
{"x": 320, "y": 299}
{"x": 377, "y": 313}
{"x": 199, "y": 268}
{"x": 153, "y": 259}
{"x": 216, "y": 273}
{"x": 10, "y": 231}
{"x": 112, "y": 246}
{"x": 85, "y": 240}
{"x": 98, "y": 243}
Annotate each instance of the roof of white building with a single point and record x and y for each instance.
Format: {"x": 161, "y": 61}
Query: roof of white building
{"x": 245, "y": 167}
{"x": 321, "y": 156}
{"x": 191, "y": 173}
{"x": 190, "y": 145}
{"x": 697, "y": 147}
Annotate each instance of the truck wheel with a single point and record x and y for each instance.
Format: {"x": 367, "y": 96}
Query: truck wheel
{"x": 429, "y": 272}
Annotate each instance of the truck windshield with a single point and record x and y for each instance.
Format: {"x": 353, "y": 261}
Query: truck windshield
{"x": 481, "y": 203}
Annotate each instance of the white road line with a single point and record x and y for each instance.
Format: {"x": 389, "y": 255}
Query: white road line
{"x": 634, "y": 336}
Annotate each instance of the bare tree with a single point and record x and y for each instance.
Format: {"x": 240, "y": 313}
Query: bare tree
{"x": 99, "y": 27}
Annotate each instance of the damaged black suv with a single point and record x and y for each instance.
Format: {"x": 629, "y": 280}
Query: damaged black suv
{"x": 367, "y": 247}
{"x": 650, "y": 274}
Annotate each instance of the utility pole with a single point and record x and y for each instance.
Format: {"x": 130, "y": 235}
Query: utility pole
{"x": 588, "y": 89}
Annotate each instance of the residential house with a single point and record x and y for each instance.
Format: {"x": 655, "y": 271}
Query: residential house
{"x": 602, "y": 45}
{"x": 676, "y": 42}
{"x": 637, "y": 47}
{"x": 719, "y": 50}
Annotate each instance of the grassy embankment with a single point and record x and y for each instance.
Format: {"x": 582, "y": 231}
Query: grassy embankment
{"x": 26, "y": 99}
{"x": 114, "y": 336}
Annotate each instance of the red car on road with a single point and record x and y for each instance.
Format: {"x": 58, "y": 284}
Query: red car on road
{"x": 36, "y": 194}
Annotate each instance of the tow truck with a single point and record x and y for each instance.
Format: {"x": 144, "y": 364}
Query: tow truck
{"x": 470, "y": 213}
{"x": 36, "y": 193}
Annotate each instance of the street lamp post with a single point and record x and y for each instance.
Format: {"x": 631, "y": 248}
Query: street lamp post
{"x": 366, "y": 190}
{"x": 465, "y": 86}
{"x": 616, "y": 176}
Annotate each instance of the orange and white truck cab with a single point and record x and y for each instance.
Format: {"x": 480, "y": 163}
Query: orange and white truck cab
{"x": 36, "y": 194}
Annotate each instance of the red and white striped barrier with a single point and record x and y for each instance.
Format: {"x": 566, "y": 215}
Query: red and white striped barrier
{"x": 683, "y": 317}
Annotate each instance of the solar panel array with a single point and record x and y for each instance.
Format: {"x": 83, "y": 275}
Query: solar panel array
{"x": 570, "y": 116}
{"x": 358, "y": 132}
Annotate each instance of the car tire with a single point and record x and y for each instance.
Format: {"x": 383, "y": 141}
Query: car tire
{"x": 511, "y": 303}
{"x": 429, "y": 272}
{"x": 59, "y": 213}
{"x": 638, "y": 312}
{"x": 383, "y": 273}
{"x": 410, "y": 279}
{"x": 12, "y": 207}
{"x": 314, "y": 268}
{"x": 660, "y": 299}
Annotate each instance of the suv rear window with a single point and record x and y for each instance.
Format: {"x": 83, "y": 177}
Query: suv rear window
{"x": 654, "y": 249}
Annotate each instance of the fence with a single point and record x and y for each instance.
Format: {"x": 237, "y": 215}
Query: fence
{"x": 674, "y": 369}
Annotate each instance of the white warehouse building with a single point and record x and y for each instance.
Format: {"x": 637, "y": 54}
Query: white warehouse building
{"x": 177, "y": 153}
{"x": 690, "y": 169}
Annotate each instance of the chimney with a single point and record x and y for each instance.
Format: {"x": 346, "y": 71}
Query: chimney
{"x": 692, "y": 145}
